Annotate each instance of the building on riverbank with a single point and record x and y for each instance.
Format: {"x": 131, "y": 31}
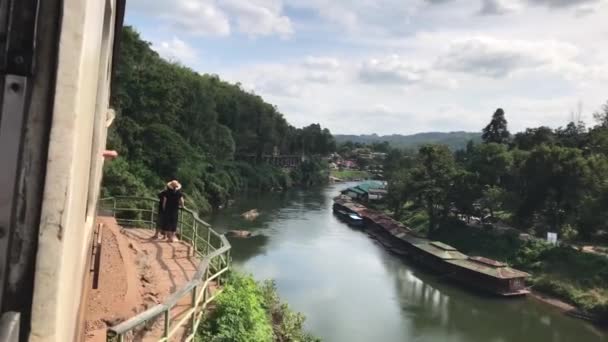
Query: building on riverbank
{"x": 367, "y": 191}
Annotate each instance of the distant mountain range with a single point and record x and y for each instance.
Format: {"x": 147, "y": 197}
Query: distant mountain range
{"x": 455, "y": 140}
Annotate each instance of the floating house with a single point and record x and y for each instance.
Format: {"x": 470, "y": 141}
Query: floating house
{"x": 435, "y": 255}
{"x": 490, "y": 275}
{"x": 473, "y": 271}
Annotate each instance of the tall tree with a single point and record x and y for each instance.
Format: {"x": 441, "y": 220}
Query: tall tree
{"x": 496, "y": 131}
{"x": 433, "y": 180}
{"x": 601, "y": 116}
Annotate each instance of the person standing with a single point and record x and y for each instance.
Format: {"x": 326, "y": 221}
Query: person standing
{"x": 172, "y": 201}
{"x": 160, "y": 222}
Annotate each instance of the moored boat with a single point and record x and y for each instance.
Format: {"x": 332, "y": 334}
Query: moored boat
{"x": 472, "y": 271}
{"x": 350, "y": 218}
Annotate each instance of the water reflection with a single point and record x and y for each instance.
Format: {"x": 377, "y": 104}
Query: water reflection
{"x": 352, "y": 290}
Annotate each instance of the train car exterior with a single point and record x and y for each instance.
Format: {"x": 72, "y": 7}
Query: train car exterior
{"x": 57, "y": 66}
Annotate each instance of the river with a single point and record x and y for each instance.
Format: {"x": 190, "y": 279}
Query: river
{"x": 352, "y": 290}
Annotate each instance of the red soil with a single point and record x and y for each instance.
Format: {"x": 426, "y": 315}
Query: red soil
{"x": 136, "y": 273}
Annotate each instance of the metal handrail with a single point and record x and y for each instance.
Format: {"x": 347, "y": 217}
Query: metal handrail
{"x": 9, "y": 326}
{"x": 214, "y": 262}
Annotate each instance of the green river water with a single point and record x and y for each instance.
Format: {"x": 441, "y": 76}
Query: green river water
{"x": 351, "y": 289}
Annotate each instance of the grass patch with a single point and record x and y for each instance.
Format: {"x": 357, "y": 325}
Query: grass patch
{"x": 248, "y": 311}
{"x": 349, "y": 175}
{"x": 418, "y": 221}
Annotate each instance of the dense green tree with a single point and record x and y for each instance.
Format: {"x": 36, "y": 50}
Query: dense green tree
{"x": 496, "y": 131}
{"x": 544, "y": 180}
{"x": 432, "y": 181}
{"x": 492, "y": 199}
{"x": 465, "y": 192}
{"x": 491, "y": 162}
{"x": 573, "y": 135}
{"x": 601, "y": 116}
{"x": 533, "y": 137}
{"x": 556, "y": 177}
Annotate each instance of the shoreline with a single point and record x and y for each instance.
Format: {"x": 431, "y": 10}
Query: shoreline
{"x": 566, "y": 308}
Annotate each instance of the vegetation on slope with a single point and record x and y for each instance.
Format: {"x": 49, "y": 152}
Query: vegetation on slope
{"x": 173, "y": 122}
{"x": 248, "y": 311}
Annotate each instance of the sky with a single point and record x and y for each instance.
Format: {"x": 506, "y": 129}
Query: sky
{"x": 395, "y": 66}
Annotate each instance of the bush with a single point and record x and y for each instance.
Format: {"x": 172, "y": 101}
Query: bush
{"x": 239, "y": 315}
{"x": 287, "y": 325}
{"x": 251, "y": 312}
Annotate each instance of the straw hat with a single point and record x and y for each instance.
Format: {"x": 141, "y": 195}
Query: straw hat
{"x": 174, "y": 185}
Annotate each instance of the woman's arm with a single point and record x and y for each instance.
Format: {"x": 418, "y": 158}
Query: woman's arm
{"x": 164, "y": 202}
{"x": 181, "y": 201}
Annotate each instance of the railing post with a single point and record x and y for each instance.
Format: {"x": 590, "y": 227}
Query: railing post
{"x": 152, "y": 223}
{"x": 167, "y": 325}
{"x": 181, "y": 224}
{"x": 194, "y": 306}
{"x": 195, "y": 239}
{"x": 208, "y": 240}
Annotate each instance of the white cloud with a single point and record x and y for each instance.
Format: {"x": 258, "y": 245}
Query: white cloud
{"x": 327, "y": 63}
{"x": 361, "y": 16}
{"x": 197, "y": 17}
{"x": 176, "y": 49}
{"x": 396, "y": 66}
{"x": 391, "y": 70}
{"x": 220, "y": 18}
{"x": 498, "y": 58}
{"x": 259, "y": 17}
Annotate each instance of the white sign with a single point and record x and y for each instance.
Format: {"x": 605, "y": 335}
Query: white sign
{"x": 552, "y": 238}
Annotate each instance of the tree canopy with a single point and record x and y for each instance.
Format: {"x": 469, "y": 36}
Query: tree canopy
{"x": 543, "y": 180}
{"x": 496, "y": 131}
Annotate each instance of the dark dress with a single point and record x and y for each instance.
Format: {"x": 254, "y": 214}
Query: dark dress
{"x": 160, "y": 223}
{"x": 171, "y": 211}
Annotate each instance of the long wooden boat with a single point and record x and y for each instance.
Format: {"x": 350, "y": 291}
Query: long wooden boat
{"x": 472, "y": 271}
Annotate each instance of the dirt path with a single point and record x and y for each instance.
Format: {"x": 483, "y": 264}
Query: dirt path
{"x": 136, "y": 273}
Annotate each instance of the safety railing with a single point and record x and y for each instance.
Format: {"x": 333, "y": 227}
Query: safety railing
{"x": 212, "y": 249}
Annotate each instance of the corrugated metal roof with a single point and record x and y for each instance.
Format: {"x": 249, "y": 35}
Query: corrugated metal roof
{"x": 355, "y": 190}
{"x": 443, "y": 246}
{"x": 503, "y": 272}
{"x": 487, "y": 261}
{"x": 371, "y": 185}
{"x": 440, "y": 253}
{"x": 412, "y": 239}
